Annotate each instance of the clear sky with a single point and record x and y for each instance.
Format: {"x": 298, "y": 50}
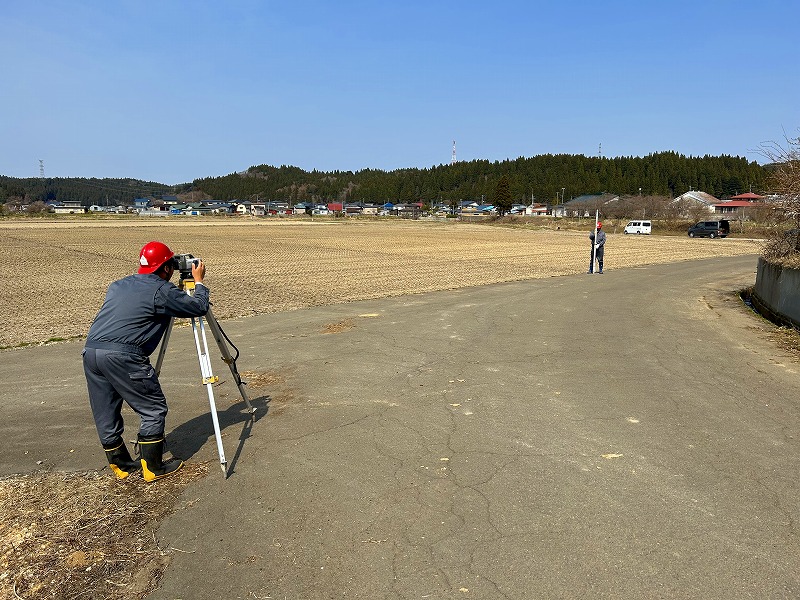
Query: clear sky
{"x": 170, "y": 91}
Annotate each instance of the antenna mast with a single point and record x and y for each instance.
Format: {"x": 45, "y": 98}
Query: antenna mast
{"x": 600, "y": 151}
{"x": 453, "y": 160}
{"x": 41, "y": 169}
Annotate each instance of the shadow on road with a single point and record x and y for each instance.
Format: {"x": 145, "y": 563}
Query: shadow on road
{"x": 187, "y": 439}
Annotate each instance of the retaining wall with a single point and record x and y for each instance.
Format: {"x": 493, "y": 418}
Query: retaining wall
{"x": 777, "y": 293}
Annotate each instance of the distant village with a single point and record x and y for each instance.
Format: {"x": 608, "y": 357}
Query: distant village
{"x": 581, "y": 206}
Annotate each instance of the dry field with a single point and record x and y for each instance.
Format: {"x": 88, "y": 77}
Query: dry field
{"x": 55, "y": 273}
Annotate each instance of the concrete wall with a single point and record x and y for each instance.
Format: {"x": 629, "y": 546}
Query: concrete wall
{"x": 777, "y": 293}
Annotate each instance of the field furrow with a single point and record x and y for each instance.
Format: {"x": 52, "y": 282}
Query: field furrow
{"x": 55, "y": 273}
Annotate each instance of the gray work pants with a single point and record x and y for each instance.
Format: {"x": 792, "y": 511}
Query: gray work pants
{"x": 114, "y": 376}
{"x": 598, "y": 256}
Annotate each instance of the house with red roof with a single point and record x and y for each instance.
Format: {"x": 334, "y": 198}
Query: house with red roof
{"x": 749, "y": 196}
{"x": 739, "y": 204}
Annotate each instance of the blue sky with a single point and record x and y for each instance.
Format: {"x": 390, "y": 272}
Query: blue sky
{"x": 171, "y": 91}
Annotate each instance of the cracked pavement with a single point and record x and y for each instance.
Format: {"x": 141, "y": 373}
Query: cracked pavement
{"x": 630, "y": 435}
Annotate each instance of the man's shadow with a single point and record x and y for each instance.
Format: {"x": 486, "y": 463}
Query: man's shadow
{"x": 187, "y": 438}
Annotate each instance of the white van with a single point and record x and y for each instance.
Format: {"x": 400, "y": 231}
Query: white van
{"x": 639, "y": 227}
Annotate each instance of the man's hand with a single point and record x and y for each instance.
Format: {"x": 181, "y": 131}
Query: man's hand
{"x": 198, "y": 271}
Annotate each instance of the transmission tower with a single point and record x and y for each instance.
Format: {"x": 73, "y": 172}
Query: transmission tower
{"x": 453, "y": 160}
{"x": 600, "y": 151}
{"x": 41, "y": 169}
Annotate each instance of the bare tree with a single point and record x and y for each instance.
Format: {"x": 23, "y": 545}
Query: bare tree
{"x": 785, "y": 177}
{"x": 784, "y": 246}
{"x": 36, "y": 207}
{"x": 13, "y": 204}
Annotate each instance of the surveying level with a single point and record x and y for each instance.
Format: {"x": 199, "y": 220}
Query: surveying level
{"x": 199, "y": 330}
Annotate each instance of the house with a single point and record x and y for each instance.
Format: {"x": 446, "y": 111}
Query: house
{"x": 536, "y": 210}
{"x": 695, "y": 200}
{"x": 154, "y": 212}
{"x": 219, "y": 208}
{"x": 196, "y": 209}
{"x": 69, "y": 207}
{"x": 353, "y": 208}
{"x": 748, "y": 196}
{"x": 370, "y": 209}
{"x": 586, "y": 205}
{"x": 729, "y": 207}
{"x": 279, "y": 207}
{"x": 467, "y": 207}
{"x": 732, "y": 206}
{"x": 412, "y": 209}
{"x": 140, "y": 204}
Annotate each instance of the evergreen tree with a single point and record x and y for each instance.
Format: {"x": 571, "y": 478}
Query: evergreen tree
{"x": 502, "y": 196}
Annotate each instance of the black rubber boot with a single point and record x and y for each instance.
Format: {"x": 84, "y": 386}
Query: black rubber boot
{"x": 151, "y": 449}
{"x": 119, "y": 459}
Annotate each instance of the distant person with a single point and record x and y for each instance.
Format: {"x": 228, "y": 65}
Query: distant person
{"x": 126, "y": 331}
{"x": 598, "y": 245}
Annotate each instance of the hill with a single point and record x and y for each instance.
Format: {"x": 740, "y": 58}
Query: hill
{"x": 545, "y": 178}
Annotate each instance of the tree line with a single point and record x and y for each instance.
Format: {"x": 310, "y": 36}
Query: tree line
{"x": 87, "y": 191}
{"x": 546, "y": 179}
{"x": 543, "y": 178}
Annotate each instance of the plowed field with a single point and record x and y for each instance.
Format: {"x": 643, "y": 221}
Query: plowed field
{"x": 55, "y": 274}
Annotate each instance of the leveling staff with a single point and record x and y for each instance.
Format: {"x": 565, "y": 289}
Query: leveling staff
{"x": 126, "y": 331}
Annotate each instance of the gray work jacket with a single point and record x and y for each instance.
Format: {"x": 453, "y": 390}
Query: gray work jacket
{"x": 137, "y": 310}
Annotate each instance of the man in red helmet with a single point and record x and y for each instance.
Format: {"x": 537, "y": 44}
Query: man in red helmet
{"x": 126, "y": 331}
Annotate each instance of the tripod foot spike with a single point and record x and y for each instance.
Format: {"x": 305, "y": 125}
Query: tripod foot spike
{"x": 224, "y": 467}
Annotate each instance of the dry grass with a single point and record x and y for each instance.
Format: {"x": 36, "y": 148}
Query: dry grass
{"x": 85, "y": 535}
{"x": 788, "y": 339}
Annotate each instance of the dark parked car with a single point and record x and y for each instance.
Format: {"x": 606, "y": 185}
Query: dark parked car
{"x": 710, "y": 229}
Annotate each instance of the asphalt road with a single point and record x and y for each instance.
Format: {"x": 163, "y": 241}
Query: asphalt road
{"x": 626, "y": 435}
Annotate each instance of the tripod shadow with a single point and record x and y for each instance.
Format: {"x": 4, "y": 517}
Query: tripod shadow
{"x": 188, "y": 438}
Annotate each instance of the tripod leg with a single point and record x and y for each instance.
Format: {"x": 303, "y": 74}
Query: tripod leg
{"x": 227, "y": 358}
{"x": 163, "y": 349}
{"x": 208, "y": 380}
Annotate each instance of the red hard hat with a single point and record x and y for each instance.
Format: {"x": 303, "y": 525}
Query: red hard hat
{"x": 599, "y": 225}
{"x": 152, "y": 256}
